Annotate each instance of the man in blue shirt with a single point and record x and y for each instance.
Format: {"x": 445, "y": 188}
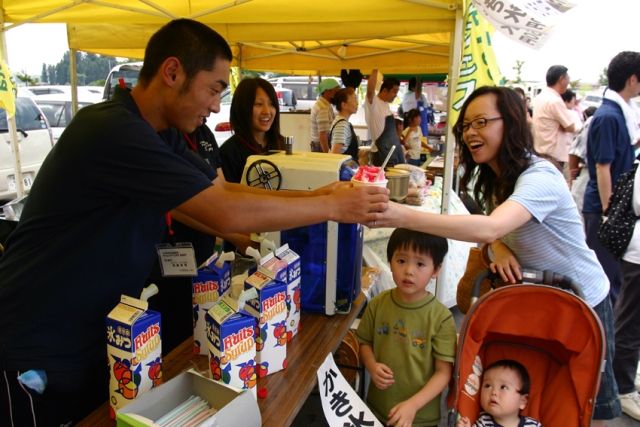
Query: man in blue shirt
{"x": 613, "y": 135}
{"x": 90, "y": 225}
{"x": 610, "y": 152}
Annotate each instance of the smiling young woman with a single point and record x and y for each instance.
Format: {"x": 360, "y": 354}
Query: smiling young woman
{"x": 255, "y": 120}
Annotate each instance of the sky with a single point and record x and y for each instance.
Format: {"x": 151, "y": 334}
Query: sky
{"x": 585, "y": 40}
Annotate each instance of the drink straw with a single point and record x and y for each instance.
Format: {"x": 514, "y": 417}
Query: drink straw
{"x": 393, "y": 147}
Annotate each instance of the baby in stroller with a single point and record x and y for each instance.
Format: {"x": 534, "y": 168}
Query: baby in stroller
{"x": 505, "y": 393}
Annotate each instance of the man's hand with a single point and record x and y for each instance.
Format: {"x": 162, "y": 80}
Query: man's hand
{"x": 381, "y": 375}
{"x": 402, "y": 414}
{"x": 359, "y": 204}
{"x": 330, "y": 188}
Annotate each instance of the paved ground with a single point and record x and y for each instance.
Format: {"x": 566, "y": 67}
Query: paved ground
{"x": 311, "y": 414}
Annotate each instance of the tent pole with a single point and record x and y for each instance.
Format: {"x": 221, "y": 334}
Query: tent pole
{"x": 73, "y": 78}
{"x": 452, "y": 82}
{"x": 11, "y": 122}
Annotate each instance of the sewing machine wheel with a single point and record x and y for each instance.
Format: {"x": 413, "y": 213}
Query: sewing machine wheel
{"x": 263, "y": 173}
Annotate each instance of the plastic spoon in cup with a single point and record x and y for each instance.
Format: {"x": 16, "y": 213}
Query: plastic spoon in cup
{"x": 393, "y": 147}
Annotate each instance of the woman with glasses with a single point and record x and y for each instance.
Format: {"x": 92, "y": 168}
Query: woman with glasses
{"x": 531, "y": 219}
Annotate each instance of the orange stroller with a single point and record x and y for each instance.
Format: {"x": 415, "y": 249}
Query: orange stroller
{"x": 552, "y": 332}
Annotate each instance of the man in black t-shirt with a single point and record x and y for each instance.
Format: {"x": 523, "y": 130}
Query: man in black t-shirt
{"x": 88, "y": 231}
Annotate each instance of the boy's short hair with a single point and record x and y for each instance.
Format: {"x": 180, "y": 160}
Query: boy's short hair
{"x": 516, "y": 367}
{"x": 423, "y": 243}
{"x": 196, "y": 46}
{"x": 414, "y": 112}
{"x": 621, "y": 68}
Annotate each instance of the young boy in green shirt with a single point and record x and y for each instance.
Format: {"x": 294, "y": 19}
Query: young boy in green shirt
{"x": 408, "y": 337}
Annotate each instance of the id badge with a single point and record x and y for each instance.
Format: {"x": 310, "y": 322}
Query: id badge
{"x": 178, "y": 260}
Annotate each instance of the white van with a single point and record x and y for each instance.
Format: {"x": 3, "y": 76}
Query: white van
{"x": 129, "y": 72}
{"x": 304, "y": 89}
{"x": 34, "y": 142}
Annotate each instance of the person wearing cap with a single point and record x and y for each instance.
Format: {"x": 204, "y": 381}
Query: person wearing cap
{"x": 322, "y": 115}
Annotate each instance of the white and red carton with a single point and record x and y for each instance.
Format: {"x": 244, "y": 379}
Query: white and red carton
{"x": 208, "y": 287}
{"x": 270, "y": 308}
{"x": 231, "y": 344}
{"x": 134, "y": 349}
{"x": 293, "y": 279}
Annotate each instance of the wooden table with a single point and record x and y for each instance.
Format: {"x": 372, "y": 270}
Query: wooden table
{"x": 288, "y": 389}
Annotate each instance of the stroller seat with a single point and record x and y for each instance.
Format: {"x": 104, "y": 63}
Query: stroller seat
{"x": 553, "y": 333}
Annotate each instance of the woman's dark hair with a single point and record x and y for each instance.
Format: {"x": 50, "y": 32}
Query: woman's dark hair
{"x": 491, "y": 190}
{"x": 241, "y": 113}
{"x": 516, "y": 367}
{"x": 414, "y": 112}
{"x": 568, "y": 95}
{"x": 423, "y": 243}
{"x": 196, "y": 46}
{"x": 342, "y": 96}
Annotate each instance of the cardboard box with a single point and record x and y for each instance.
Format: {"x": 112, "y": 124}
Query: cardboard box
{"x": 270, "y": 308}
{"x": 134, "y": 349}
{"x": 231, "y": 345}
{"x": 235, "y": 407}
{"x": 293, "y": 280}
{"x": 211, "y": 283}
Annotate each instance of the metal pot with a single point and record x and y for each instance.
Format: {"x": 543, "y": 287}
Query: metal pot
{"x": 397, "y": 183}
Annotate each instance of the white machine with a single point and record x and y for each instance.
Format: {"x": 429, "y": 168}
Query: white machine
{"x": 331, "y": 253}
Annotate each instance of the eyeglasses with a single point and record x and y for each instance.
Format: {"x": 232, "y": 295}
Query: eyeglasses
{"x": 476, "y": 124}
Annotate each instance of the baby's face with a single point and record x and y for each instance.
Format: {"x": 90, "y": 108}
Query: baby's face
{"x": 500, "y": 396}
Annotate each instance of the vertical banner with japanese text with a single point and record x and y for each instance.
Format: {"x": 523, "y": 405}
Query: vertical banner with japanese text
{"x": 8, "y": 89}
{"x": 341, "y": 404}
{"x": 478, "y": 65}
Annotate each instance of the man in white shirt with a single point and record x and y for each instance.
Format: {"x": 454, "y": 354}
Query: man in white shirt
{"x": 551, "y": 119}
{"x": 380, "y": 120}
{"x": 322, "y": 115}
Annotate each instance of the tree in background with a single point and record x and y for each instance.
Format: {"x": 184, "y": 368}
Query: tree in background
{"x": 91, "y": 70}
{"x": 575, "y": 84}
{"x": 51, "y": 71}
{"x": 518, "y": 68}
{"x": 604, "y": 80}
{"x": 44, "y": 77}
{"x": 26, "y": 79}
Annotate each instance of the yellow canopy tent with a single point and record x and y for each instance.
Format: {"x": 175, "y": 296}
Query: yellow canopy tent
{"x": 300, "y": 37}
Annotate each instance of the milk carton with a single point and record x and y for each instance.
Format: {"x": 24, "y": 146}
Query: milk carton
{"x": 293, "y": 288}
{"x": 270, "y": 308}
{"x": 134, "y": 349}
{"x": 231, "y": 344}
{"x": 212, "y": 281}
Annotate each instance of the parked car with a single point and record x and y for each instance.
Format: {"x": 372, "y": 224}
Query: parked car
{"x": 303, "y": 88}
{"x": 57, "y": 110}
{"x": 591, "y": 99}
{"x": 35, "y": 140}
{"x": 63, "y": 90}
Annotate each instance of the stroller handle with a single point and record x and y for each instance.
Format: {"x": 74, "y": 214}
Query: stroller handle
{"x": 546, "y": 277}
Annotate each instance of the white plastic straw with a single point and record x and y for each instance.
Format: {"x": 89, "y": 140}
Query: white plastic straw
{"x": 393, "y": 147}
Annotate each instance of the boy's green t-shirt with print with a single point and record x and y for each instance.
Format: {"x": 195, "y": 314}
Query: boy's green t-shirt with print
{"x": 407, "y": 337}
